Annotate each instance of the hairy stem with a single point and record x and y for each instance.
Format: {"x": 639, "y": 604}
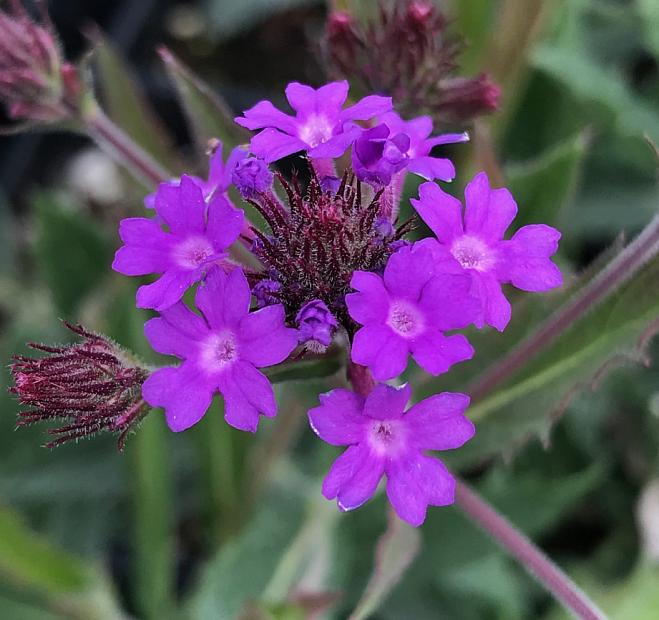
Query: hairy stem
{"x": 614, "y": 275}
{"x": 123, "y": 149}
{"x": 536, "y": 563}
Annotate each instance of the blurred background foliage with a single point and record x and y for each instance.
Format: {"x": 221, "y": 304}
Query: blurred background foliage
{"x": 216, "y": 524}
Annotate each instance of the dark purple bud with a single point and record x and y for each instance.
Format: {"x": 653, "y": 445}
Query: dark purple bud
{"x": 377, "y": 155}
{"x": 252, "y": 177}
{"x": 316, "y": 325}
{"x": 87, "y": 387}
{"x": 263, "y": 293}
{"x": 330, "y": 184}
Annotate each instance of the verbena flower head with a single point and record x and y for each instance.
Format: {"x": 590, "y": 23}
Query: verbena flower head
{"x": 406, "y": 52}
{"x": 252, "y": 177}
{"x": 35, "y": 83}
{"x": 386, "y": 440}
{"x": 86, "y": 387}
{"x": 318, "y": 241}
{"x": 395, "y": 145}
{"x": 197, "y": 236}
{"x": 474, "y": 242}
{"x": 221, "y": 351}
{"x": 321, "y": 126}
{"x": 316, "y": 325}
{"x": 407, "y": 311}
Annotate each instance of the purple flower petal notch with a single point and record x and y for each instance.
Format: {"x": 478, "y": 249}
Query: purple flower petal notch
{"x": 321, "y": 126}
{"x": 474, "y": 243}
{"x": 384, "y": 440}
{"x": 407, "y": 311}
{"x": 221, "y": 352}
{"x": 197, "y": 238}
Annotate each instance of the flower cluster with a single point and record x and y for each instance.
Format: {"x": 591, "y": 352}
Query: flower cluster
{"x": 334, "y": 267}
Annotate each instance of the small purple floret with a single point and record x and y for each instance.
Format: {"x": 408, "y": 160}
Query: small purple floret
{"x": 321, "y": 126}
{"x": 384, "y": 440}
{"x": 473, "y": 242}
{"x": 407, "y": 311}
{"x": 263, "y": 292}
{"x": 252, "y": 177}
{"x": 316, "y": 325}
{"x": 221, "y": 351}
{"x": 198, "y": 236}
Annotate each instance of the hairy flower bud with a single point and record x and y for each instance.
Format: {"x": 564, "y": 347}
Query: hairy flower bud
{"x": 316, "y": 325}
{"x": 90, "y": 386}
{"x": 406, "y": 52}
{"x": 35, "y": 83}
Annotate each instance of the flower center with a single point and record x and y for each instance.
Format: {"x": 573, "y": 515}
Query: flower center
{"x": 386, "y": 437}
{"x": 316, "y": 130}
{"x": 472, "y": 253}
{"x": 219, "y": 351}
{"x": 193, "y": 252}
{"x": 404, "y": 319}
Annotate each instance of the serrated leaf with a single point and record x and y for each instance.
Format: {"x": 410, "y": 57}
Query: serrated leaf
{"x": 208, "y": 116}
{"x": 126, "y": 105}
{"x": 72, "y": 252}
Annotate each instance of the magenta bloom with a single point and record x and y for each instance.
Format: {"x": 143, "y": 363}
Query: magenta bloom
{"x": 198, "y": 237}
{"x": 478, "y": 246}
{"x": 220, "y": 175}
{"x": 384, "y": 441}
{"x": 321, "y": 126}
{"x": 222, "y": 350}
{"x": 407, "y": 311}
{"x": 395, "y": 144}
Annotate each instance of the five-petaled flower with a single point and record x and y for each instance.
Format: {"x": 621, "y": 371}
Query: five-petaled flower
{"x": 321, "y": 126}
{"x": 222, "y": 350}
{"x": 198, "y": 237}
{"x": 477, "y": 246}
{"x": 406, "y": 312}
{"x": 384, "y": 440}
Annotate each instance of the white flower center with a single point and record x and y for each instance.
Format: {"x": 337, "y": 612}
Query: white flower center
{"x": 316, "y": 130}
{"x": 193, "y": 252}
{"x": 386, "y": 437}
{"x": 219, "y": 351}
{"x": 472, "y": 253}
{"x": 405, "y": 319}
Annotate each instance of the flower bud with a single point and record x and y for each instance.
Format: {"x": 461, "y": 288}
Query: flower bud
{"x": 316, "y": 325}
{"x": 252, "y": 177}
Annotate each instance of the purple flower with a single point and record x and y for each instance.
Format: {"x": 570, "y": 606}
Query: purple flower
{"x": 222, "y": 350}
{"x": 219, "y": 174}
{"x": 395, "y": 145}
{"x": 316, "y": 325}
{"x": 263, "y": 292}
{"x": 198, "y": 237}
{"x": 477, "y": 244}
{"x": 252, "y": 177}
{"x": 321, "y": 126}
{"x": 384, "y": 441}
{"x": 407, "y": 311}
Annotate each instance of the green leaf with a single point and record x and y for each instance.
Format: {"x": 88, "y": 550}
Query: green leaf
{"x": 126, "y": 105}
{"x": 301, "y": 371}
{"x": 207, "y": 114}
{"x": 72, "y": 252}
{"x": 542, "y": 187}
{"x": 649, "y": 10}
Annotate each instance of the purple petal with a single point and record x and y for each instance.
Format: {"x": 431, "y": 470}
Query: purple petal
{"x": 440, "y": 211}
{"x": 488, "y": 213}
{"x": 247, "y": 393}
{"x": 181, "y": 392}
{"x": 136, "y": 261}
{"x": 431, "y": 168}
{"x": 415, "y": 483}
{"x": 264, "y": 114}
{"x": 339, "y": 420}
{"x": 496, "y": 308}
{"x": 379, "y": 348}
{"x": 331, "y": 97}
{"x": 224, "y": 222}
{"x": 371, "y": 304}
{"x": 336, "y": 145}
{"x": 447, "y": 300}
{"x": 143, "y": 232}
{"x": 177, "y": 332}
{"x": 271, "y": 145}
{"x": 264, "y": 338}
{"x": 367, "y": 108}
{"x": 182, "y": 207}
{"x": 408, "y": 270}
{"x": 386, "y": 402}
{"x": 439, "y": 423}
{"x": 167, "y": 290}
{"x": 223, "y": 299}
{"x": 301, "y": 97}
{"x": 526, "y": 258}
{"x": 436, "y": 353}
{"x": 448, "y": 138}
{"x": 353, "y": 477}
